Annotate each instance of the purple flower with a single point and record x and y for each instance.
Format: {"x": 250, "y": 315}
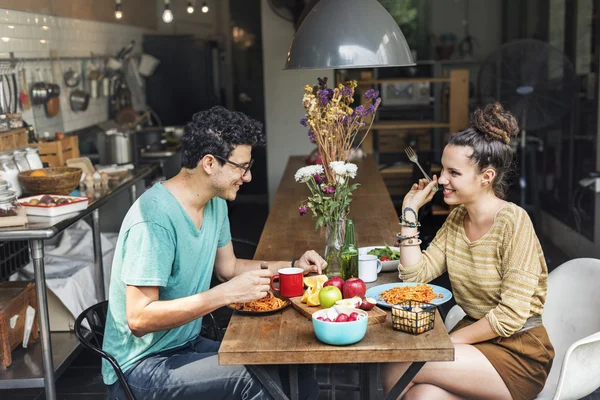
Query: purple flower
{"x": 311, "y": 135}
{"x": 346, "y": 91}
{"x": 324, "y": 95}
{"x": 302, "y": 210}
{"x": 370, "y": 110}
{"x": 360, "y": 110}
{"x": 371, "y": 94}
{"x": 303, "y": 122}
{"x": 377, "y": 101}
{"x": 318, "y": 178}
{"x": 329, "y": 190}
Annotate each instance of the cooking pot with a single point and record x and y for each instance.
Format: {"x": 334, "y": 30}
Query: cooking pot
{"x": 116, "y": 147}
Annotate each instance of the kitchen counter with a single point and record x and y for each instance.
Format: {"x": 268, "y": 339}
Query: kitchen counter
{"x": 44, "y": 360}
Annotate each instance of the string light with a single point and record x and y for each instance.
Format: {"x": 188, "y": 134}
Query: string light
{"x": 190, "y": 7}
{"x": 204, "y": 8}
{"x": 118, "y": 9}
{"x": 167, "y": 16}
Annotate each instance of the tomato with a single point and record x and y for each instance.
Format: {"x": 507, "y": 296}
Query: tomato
{"x": 384, "y": 258}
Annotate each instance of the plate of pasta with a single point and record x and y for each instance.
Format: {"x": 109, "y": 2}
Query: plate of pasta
{"x": 266, "y": 305}
{"x": 393, "y": 293}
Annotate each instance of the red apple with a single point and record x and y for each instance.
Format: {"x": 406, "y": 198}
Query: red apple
{"x": 354, "y": 287}
{"x": 367, "y": 303}
{"x": 335, "y": 281}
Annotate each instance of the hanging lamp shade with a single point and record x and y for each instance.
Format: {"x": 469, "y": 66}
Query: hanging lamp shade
{"x": 348, "y": 34}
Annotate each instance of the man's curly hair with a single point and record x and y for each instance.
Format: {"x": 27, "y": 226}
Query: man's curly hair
{"x": 218, "y": 131}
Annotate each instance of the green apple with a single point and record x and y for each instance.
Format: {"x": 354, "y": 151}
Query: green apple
{"x": 329, "y": 295}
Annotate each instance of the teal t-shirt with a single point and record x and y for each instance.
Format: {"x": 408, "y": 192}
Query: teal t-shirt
{"x": 159, "y": 245}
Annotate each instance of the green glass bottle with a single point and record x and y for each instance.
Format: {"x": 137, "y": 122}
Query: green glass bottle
{"x": 349, "y": 253}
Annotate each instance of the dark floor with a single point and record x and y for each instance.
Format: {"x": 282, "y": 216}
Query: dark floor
{"x": 82, "y": 380}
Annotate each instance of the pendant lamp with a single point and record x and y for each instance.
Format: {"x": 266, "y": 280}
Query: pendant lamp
{"x": 348, "y": 34}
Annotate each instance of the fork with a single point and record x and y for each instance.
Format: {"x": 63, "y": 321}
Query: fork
{"x": 412, "y": 156}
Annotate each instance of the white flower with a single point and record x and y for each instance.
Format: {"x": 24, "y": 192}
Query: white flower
{"x": 351, "y": 170}
{"x": 305, "y": 173}
{"x": 338, "y": 167}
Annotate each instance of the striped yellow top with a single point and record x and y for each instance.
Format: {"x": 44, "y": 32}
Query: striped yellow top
{"x": 502, "y": 276}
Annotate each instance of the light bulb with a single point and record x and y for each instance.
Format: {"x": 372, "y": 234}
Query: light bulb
{"x": 118, "y": 10}
{"x": 190, "y": 7}
{"x": 204, "y": 7}
{"x": 167, "y": 15}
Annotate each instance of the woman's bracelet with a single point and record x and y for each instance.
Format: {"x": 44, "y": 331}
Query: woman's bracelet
{"x": 400, "y": 236}
{"x": 409, "y": 224}
{"x": 410, "y": 242}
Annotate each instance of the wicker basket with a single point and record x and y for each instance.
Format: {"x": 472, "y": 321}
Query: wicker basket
{"x": 58, "y": 180}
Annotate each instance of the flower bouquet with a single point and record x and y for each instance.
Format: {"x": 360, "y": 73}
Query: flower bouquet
{"x": 335, "y": 127}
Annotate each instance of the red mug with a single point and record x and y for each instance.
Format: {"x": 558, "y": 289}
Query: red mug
{"x": 290, "y": 282}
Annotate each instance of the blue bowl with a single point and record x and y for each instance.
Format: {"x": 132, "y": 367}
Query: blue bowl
{"x": 340, "y": 333}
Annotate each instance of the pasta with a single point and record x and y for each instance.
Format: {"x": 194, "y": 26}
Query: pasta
{"x": 422, "y": 292}
{"x": 267, "y": 303}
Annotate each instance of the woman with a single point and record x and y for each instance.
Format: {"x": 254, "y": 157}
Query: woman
{"x": 496, "y": 267}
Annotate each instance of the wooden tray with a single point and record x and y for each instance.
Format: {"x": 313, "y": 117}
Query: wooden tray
{"x": 376, "y": 314}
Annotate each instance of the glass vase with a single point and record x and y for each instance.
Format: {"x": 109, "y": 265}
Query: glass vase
{"x": 334, "y": 240}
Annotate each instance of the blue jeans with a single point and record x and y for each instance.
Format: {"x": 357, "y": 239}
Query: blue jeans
{"x": 192, "y": 371}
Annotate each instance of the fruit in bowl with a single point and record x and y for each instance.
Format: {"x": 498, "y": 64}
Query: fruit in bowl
{"x": 56, "y": 180}
{"x": 340, "y": 326}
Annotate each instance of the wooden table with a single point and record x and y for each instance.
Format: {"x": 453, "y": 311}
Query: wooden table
{"x": 287, "y": 337}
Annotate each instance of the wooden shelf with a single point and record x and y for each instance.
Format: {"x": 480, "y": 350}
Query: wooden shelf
{"x": 402, "y": 80}
{"x": 388, "y": 125}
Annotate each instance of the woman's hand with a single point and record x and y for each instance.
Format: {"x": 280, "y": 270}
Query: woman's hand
{"x": 420, "y": 194}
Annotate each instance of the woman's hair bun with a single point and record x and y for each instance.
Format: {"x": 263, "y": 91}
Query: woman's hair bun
{"x": 495, "y": 123}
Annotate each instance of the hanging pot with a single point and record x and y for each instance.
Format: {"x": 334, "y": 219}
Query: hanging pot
{"x": 79, "y": 98}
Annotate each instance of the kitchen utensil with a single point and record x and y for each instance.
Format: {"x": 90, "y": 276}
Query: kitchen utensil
{"x": 40, "y": 92}
{"x": 116, "y": 147}
{"x": 24, "y": 95}
{"x": 2, "y": 103}
{"x": 52, "y": 106}
{"x": 15, "y": 99}
{"x": 7, "y": 98}
{"x": 148, "y": 64}
{"x": 79, "y": 98}
{"x": 71, "y": 78}
{"x": 412, "y": 156}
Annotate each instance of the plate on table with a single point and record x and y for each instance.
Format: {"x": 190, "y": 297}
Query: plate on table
{"x": 286, "y": 303}
{"x": 375, "y": 292}
{"x": 386, "y": 266}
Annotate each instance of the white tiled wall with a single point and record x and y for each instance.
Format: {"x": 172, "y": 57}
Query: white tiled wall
{"x": 34, "y": 35}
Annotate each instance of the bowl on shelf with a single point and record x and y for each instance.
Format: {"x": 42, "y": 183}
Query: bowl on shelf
{"x": 56, "y": 180}
{"x": 340, "y": 333}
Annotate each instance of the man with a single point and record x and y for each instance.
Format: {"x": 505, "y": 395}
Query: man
{"x": 170, "y": 240}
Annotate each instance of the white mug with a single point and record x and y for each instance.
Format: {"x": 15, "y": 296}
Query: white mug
{"x": 368, "y": 267}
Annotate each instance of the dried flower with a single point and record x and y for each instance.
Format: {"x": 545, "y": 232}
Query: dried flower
{"x": 333, "y": 124}
{"x": 302, "y": 210}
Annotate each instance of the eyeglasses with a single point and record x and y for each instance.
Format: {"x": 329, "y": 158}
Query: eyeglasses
{"x": 245, "y": 167}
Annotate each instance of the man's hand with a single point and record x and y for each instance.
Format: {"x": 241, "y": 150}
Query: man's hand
{"x": 311, "y": 262}
{"x": 248, "y": 286}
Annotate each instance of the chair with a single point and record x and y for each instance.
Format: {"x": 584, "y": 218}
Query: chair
{"x": 572, "y": 320}
{"x": 95, "y": 317}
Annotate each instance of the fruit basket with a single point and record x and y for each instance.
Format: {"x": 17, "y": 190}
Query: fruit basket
{"x": 52, "y": 205}
{"x": 411, "y": 316}
{"x": 57, "y": 180}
